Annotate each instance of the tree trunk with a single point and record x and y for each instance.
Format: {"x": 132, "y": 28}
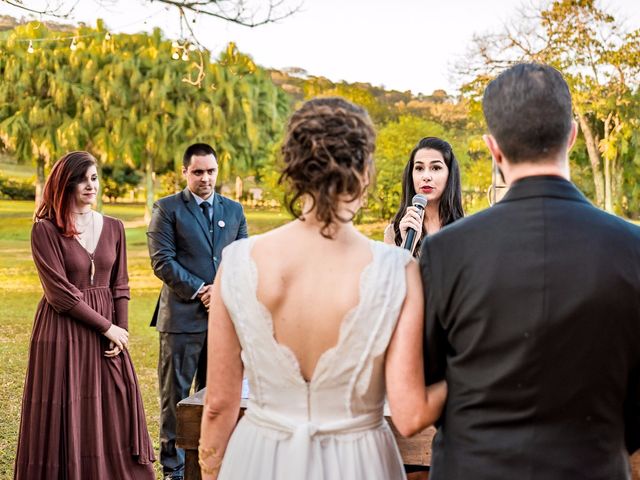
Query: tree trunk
{"x": 149, "y": 187}
{"x": 616, "y": 170}
{"x": 608, "y": 203}
{"x": 608, "y": 166}
{"x": 39, "y": 179}
{"x": 594, "y": 158}
{"x": 617, "y": 187}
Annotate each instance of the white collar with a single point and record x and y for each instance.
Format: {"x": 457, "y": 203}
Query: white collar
{"x": 199, "y": 200}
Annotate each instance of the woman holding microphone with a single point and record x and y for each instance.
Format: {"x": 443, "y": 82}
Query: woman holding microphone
{"x": 433, "y": 172}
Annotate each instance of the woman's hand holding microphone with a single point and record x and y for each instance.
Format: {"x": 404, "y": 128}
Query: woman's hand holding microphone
{"x": 412, "y": 219}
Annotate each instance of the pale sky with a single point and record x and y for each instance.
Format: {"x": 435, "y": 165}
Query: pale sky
{"x": 398, "y": 44}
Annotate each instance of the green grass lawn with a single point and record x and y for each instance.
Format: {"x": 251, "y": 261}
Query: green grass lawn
{"x": 16, "y": 171}
{"x": 20, "y": 292}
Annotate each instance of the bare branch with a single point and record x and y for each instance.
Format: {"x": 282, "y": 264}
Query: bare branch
{"x": 51, "y": 12}
{"x": 234, "y": 11}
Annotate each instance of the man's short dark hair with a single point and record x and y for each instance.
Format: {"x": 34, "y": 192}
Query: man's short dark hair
{"x": 199, "y": 149}
{"x": 528, "y": 112}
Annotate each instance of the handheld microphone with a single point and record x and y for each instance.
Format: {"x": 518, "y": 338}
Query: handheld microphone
{"x": 420, "y": 202}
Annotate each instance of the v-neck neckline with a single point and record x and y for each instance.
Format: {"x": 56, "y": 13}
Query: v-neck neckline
{"x": 92, "y": 254}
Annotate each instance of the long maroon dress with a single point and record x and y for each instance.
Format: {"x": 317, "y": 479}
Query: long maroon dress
{"x": 82, "y": 414}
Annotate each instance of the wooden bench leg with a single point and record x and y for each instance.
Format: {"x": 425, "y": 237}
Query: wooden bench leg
{"x": 191, "y": 467}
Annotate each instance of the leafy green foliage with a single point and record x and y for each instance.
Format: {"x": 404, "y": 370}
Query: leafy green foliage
{"x": 600, "y": 60}
{"x": 118, "y": 180}
{"x": 128, "y": 103}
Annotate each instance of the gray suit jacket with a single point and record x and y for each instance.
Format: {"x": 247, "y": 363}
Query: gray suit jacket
{"x": 184, "y": 255}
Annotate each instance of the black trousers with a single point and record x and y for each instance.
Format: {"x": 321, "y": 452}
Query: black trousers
{"x": 183, "y": 358}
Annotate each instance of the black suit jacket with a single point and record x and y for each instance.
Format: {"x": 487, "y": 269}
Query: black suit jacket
{"x": 533, "y": 317}
{"x": 184, "y": 255}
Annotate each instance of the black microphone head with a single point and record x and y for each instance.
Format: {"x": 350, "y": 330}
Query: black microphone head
{"x": 419, "y": 201}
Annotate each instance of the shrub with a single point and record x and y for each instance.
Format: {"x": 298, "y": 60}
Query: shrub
{"x": 119, "y": 180}
{"x": 16, "y": 189}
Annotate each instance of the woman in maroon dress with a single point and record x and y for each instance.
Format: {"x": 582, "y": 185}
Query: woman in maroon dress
{"x": 82, "y": 414}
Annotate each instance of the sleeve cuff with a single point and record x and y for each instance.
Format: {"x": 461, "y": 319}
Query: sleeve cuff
{"x": 121, "y": 307}
{"x": 193, "y": 297}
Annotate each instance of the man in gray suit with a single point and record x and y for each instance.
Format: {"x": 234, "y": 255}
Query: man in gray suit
{"x": 186, "y": 236}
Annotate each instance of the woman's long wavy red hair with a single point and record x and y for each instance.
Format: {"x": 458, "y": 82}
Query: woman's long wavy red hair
{"x": 59, "y": 189}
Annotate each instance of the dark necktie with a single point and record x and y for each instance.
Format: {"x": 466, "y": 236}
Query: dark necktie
{"x": 205, "y": 211}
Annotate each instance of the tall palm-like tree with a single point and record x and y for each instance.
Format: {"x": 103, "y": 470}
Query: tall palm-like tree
{"x": 31, "y": 116}
{"x": 126, "y": 101}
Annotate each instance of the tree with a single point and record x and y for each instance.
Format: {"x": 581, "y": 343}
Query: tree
{"x": 240, "y": 12}
{"x": 118, "y": 180}
{"x": 601, "y": 63}
{"x": 254, "y": 112}
{"x": 125, "y": 100}
{"x": 31, "y": 114}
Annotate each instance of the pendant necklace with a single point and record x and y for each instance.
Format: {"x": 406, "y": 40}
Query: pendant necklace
{"x": 91, "y": 256}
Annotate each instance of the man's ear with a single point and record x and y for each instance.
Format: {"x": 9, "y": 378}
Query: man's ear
{"x": 572, "y": 135}
{"x": 493, "y": 147}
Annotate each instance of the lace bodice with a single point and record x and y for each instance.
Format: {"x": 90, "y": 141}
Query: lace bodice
{"x": 348, "y": 380}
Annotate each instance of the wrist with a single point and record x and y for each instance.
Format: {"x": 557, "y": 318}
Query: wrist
{"x": 209, "y": 460}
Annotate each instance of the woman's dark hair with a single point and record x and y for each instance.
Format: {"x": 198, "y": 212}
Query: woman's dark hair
{"x": 326, "y": 152}
{"x": 59, "y": 189}
{"x": 450, "y": 207}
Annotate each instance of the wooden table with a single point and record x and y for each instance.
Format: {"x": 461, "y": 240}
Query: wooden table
{"x": 415, "y": 450}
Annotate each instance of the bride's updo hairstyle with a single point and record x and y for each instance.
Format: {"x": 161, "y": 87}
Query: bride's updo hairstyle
{"x": 327, "y": 154}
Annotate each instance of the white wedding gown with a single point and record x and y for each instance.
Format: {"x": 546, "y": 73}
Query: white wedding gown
{"x": 333, "y": 426}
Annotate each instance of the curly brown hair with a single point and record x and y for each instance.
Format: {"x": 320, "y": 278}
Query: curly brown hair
{"x": 327, "y": 150}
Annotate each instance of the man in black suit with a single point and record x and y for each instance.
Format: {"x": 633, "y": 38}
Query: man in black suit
{"x": 186, "y": 236}
{"x": 533, "y": 309}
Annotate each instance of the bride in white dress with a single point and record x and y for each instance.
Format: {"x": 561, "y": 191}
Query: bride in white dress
{"x": 323, "y": 321}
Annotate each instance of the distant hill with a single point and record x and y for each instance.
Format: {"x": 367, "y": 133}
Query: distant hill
{"x": 8, "y": 22}
{"x": 383, "y": 105}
